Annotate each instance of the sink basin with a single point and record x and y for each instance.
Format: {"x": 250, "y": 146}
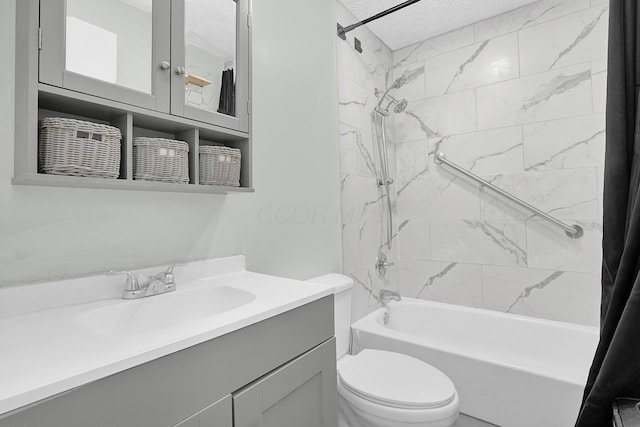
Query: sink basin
{"x": 164, "y": 311}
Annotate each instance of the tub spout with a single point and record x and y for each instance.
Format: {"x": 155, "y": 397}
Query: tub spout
{"x": 387, "y": 295}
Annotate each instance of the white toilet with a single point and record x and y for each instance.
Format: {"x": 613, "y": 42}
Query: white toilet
{"x": 381, "y": 388}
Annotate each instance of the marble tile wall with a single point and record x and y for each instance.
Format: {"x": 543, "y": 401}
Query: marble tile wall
{"x": 363, "y": 210}
{"x": 518, "y": 99}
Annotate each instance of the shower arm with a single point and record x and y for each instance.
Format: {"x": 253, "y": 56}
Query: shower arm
{"x": 573, "y": 231}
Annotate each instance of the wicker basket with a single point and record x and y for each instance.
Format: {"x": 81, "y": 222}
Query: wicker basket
{"x": 159, "y": 159}
{"x": 79, "y": 148}
{"x": 219, "y": 165}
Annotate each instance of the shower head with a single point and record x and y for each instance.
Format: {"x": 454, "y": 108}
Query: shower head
{"x": 387, "y": 101}
{"x": 400, "y": 105}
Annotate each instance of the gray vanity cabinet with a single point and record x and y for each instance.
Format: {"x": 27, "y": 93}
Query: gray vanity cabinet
{"x": 280, "y": 371}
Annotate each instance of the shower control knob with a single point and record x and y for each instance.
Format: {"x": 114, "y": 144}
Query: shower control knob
{"x": 382, "y": 265}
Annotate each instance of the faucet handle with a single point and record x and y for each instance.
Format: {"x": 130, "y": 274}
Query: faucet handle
{"x": 168, "y": 273}
{"x": 382, "y": 265}
{"x": 169, "y": 269}
{"x": 132, "y": 281}
{"x": 167, "y": 276}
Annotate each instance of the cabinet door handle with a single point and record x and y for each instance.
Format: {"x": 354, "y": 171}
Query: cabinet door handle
{"x": 165, "y": 65}
{"x": 180, "y": 70}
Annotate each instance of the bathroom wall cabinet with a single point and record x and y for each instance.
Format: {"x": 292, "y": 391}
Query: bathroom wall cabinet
{"x": 278, "y": 372}
{"x": 157, "y": 74}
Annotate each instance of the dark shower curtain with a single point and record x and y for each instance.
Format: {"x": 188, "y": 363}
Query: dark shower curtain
{"x": 615, "y": 371}
{"x": 227, "y": 103}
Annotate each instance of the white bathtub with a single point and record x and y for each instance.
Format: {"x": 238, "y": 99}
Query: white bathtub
{"x": 509, "y": 370}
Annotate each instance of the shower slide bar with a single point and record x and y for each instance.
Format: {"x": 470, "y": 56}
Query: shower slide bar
{"x": 342, "y": 31}
{"x": 573, "y": 231}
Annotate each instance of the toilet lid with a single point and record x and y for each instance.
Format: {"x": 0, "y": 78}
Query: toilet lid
{"x": 396, "y": 380}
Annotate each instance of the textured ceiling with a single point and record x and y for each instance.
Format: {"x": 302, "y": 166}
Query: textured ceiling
{"x": 426, "y": 18}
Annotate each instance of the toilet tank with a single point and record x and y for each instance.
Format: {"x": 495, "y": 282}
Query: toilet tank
{"x": 341, "y": 285}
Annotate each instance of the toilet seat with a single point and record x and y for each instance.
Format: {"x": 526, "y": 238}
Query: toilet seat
{"x": 396, "y": 380}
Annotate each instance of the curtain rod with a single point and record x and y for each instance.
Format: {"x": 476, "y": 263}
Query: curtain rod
{"x": 342, "y": 31}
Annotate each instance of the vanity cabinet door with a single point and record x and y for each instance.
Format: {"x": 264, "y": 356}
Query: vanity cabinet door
{"x": 217, "y": 415}
{"x": 113, "y": 49}
{"x": 300, "y": 393}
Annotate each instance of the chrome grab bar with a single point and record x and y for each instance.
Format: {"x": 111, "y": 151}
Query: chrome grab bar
{"x": 573, "y": 231}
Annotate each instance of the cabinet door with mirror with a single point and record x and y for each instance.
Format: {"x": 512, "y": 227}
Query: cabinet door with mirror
{"x": 184, "y": 57}
{"x": 211, "y": 83}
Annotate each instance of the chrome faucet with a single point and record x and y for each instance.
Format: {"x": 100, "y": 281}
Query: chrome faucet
{"x": 387, "y": 295}
{"x": 160, "y": 283}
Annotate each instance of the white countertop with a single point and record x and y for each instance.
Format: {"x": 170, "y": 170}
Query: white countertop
{"x": 46, "y": 349}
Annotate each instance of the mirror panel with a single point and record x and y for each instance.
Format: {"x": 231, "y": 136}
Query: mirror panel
{"x": 111, "y": 40}
{"x": 210, "y": 55}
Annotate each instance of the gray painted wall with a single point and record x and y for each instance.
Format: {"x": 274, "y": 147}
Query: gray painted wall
{"x": 290, "y": 226}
